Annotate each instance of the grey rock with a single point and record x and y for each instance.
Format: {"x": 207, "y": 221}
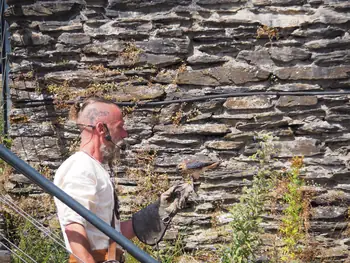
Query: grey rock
{"x": 332, "y": 58}
{"x": 74, "y": 38}
{"x": 288, "y": 54}
{"x": 319, "y": 127}
{"x": 205, "y": 129}
{"x": 162, "y": 140}
{"x": 327, "y": 44}
{"x": 29, "y": 38}
{"x": 54, "y": 26}
{"x": 277, "y": 2}
{"x": 224, "y": 145}
{"x": 329, "y": 32}
{"x": 44, "y": 9}
{"x": 301, "y": 146}
{"x": 295, "y": 87}
{"x": 165, "y": 46}
{"x": 222, "y": 76}
{"x": 130, "y": 29}
{"x": 313, "y": 73}
{"x": 204, "y": 59}
{"x": 132, "y": 5}
{"x": 145, "y": 59}
{"x": 109, "y": 47}
{"x": 328, "y": 212}
{"x": 256, "y": 57}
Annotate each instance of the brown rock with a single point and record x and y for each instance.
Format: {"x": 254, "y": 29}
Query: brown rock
{"x": 253, "y": 102}
{"x": 202, "y": 129}
{"x": 292, "y": 101}
{"x": 225, "y": 145}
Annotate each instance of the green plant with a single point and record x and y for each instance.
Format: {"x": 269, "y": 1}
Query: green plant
{"x": 150, "y": 183}
{"x": 169, "y": 253}
{"x": 246, "y": 215}
{"x": 292, "y": 222}
{"x": 35, "y": 243}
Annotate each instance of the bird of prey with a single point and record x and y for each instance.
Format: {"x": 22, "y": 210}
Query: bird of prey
{"x": 195, "y": 168}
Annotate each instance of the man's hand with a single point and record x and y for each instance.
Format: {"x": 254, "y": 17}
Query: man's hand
{"x": 151, "y": 222}
{"x": 175, "y": 198}
{"x": 79, "y": 243}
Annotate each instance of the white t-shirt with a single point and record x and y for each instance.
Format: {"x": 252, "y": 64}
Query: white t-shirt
{"x": 85, "y": 180}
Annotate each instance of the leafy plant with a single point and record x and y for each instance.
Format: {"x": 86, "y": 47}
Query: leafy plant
{"x": 36, "y": 244}
{"x": 246, "y": 215}
{"x": 292, "y": 221}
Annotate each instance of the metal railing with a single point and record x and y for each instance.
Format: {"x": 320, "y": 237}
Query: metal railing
{"x": 52, "y": 189}
{"x": 4, "y": 51}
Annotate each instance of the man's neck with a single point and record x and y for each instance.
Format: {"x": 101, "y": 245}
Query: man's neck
{"x": 92, "y": 152}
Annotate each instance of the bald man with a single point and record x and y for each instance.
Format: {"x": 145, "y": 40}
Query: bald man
{"x": 84, "y": 178}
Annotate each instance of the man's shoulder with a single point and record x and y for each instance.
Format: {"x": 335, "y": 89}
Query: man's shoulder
{"x": 78, "y": 160}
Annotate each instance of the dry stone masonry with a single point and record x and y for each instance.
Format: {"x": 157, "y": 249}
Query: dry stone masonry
{"x": 134, "y": 50}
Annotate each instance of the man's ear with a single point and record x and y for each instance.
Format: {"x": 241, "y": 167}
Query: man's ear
{"x": 100, "y": 128}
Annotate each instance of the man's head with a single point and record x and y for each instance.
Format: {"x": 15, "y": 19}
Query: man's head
{"x": 102, "y": 127}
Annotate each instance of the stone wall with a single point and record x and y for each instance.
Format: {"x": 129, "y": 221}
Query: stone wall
{"x": 164, "y": 50}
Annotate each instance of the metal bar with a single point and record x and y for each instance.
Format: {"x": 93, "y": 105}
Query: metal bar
{"x": 4, "y": 69}
{"x": 52, "y": 189}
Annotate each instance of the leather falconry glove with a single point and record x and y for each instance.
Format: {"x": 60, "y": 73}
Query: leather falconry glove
{"x": 151, "y": 222}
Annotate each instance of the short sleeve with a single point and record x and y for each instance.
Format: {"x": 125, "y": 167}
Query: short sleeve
{"x": 81, "y": 185}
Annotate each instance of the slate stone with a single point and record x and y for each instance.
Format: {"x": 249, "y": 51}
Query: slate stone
{"x": 131, "y": 5}
{"x": 256, "y": 57}
{"x": 288, "y": 54}
{"x": 131, "y": 30}
{"x": 165, "y": 46}
{"x": 83, "y": 78}
{"x": 277, "y": 2}
{"x": 325, "y": 44}
{"x": 74, "y": 38}
{"x": 301, "y": 146}
{"x": 312, "y": 73}
{"x": 204, "y": 129}
{"x": 293, "y": 101}
{"x": 222, "y": 76}
{"x": 319, "y": 127}
{"x": 44, "y": 9}
{"x": 162, "y": 140}
{"x": 251, "y": 102}
{"x": 55, "y": 26}
{"x": 145, "y": 59}
{"x": 204, "y": 59}
{"x": 29, "y": 38}
{"x": 225, "y": 145}
{"x": 328, "y": 212}
{"x": 332, "y": 58}
{"x": 295, "y": 87}
{"x": 105, "y": 48}
{"x": 328, "y": 32}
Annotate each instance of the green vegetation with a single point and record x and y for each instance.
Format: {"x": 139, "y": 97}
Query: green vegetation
{"x": 246, "y": 229}
{"x": 34, "y": 243}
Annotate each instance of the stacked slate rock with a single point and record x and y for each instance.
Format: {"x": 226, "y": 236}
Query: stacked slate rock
{"x": 164, "y": 50}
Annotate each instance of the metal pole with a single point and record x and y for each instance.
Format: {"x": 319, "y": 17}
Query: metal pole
{"x": 4, "y": 69}
{"x": 52, "y": 189}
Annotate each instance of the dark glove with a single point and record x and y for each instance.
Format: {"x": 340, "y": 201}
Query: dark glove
{"x": 151, "y": 222}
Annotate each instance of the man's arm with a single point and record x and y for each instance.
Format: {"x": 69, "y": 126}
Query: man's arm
{"x": 127, "y": 229}
{"x": 78, "y": 242}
